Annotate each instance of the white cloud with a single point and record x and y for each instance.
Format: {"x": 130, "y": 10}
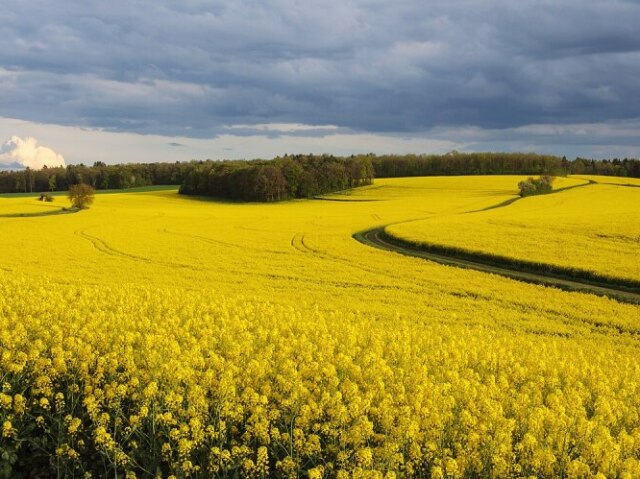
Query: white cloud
{"x": 25, "y": 152}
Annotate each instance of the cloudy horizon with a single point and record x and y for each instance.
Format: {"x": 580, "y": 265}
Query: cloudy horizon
{"x": 169, "y": 81}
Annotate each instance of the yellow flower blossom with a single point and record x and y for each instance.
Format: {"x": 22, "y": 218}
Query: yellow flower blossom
{"x": 19, "y": 404}
{"x": 7, "y": 429}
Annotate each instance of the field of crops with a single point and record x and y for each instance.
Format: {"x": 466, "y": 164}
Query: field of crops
{"x": 28, "y": 206}
{"x": 158, "y": 335}
{"x": 594, "y": 228}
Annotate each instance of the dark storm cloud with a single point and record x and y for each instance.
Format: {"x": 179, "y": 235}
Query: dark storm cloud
{"x": 191, "y": 67}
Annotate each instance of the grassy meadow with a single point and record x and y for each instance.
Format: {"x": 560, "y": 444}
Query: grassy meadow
{"x": 157, "y": 335}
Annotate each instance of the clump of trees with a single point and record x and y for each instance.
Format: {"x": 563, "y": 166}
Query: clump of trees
{"x": 45, "y": 197}
{"x": 81, "y": 196}
{"x": 536, "y": 186}
{"x": 291, "y": 176}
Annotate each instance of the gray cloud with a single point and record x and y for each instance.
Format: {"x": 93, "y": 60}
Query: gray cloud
{"x": 191, "y": 68}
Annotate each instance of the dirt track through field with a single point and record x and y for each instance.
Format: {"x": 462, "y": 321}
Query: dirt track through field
{"x": 377, "y": 238}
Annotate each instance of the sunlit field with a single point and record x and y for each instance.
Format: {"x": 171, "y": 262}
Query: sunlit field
{"x": 158, "y": 335}
{"x": 29, "y": 205}
{"x": 613, "y": 180}
{"x": 595, "y": 228}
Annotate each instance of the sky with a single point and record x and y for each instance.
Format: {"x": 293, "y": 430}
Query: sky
{"x": 122, "y": 81}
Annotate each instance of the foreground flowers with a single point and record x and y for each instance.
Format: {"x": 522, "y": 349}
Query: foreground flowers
{"x": 99, "y": 381}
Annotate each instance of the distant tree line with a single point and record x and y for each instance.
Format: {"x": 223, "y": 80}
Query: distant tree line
{"x": 615, "y": 167}
{"x": 99, "y": 176}
{"x": 291, "y": 176}
{"x": 301, "y": 176}
{"x": 456, "y": 163}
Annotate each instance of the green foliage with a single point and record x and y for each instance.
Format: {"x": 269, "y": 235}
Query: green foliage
{"x": 296, "y": 176}
{"x": 536, "y": 186}
{"x": 100, "y": 176}
{"x": 495, "y": 163}
{"x": 81, "y": 196}
{"x": 455, "y": 163}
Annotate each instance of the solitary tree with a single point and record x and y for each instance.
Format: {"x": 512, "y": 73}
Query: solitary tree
{"x": 81, "y": 195}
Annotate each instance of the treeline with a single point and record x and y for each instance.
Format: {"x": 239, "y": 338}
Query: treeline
{"x": 456, "y": 163}
{"x": 301, "y": 176}
{"x": 100, "y": 176}
{"x": 616, "y": 167}
{"x": 291, "y": 176}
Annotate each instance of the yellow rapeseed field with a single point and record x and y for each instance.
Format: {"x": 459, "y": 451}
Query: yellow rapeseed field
{"x": 155, "y": 335}
{"x": 29, "y": 205}
{"x": 594, "y": 228}
{"x": 613, "y": 180}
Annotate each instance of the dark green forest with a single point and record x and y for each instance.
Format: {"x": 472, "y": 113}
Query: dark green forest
{"x": 300, "y": 176}
{"x": 296, "y": 176}
{"x": 455, "y": 163}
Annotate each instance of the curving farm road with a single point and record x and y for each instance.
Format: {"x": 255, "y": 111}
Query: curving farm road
{"x": 377, "y": 238}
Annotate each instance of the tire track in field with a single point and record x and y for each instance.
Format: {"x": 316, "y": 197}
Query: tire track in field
{"x": 377, "y": 238}
{"x": 296, "y": 242}
{"x": 204, "y": 239}
{"x": 215, "y": 242}
{"x": 300, "y": 243}
{"x": 103, "y": 247}
{"x": 553, "y": 314}
{"x": 418, "y": 287}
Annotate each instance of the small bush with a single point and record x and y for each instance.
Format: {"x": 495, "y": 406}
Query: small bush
{"x": 536, "y": 186}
